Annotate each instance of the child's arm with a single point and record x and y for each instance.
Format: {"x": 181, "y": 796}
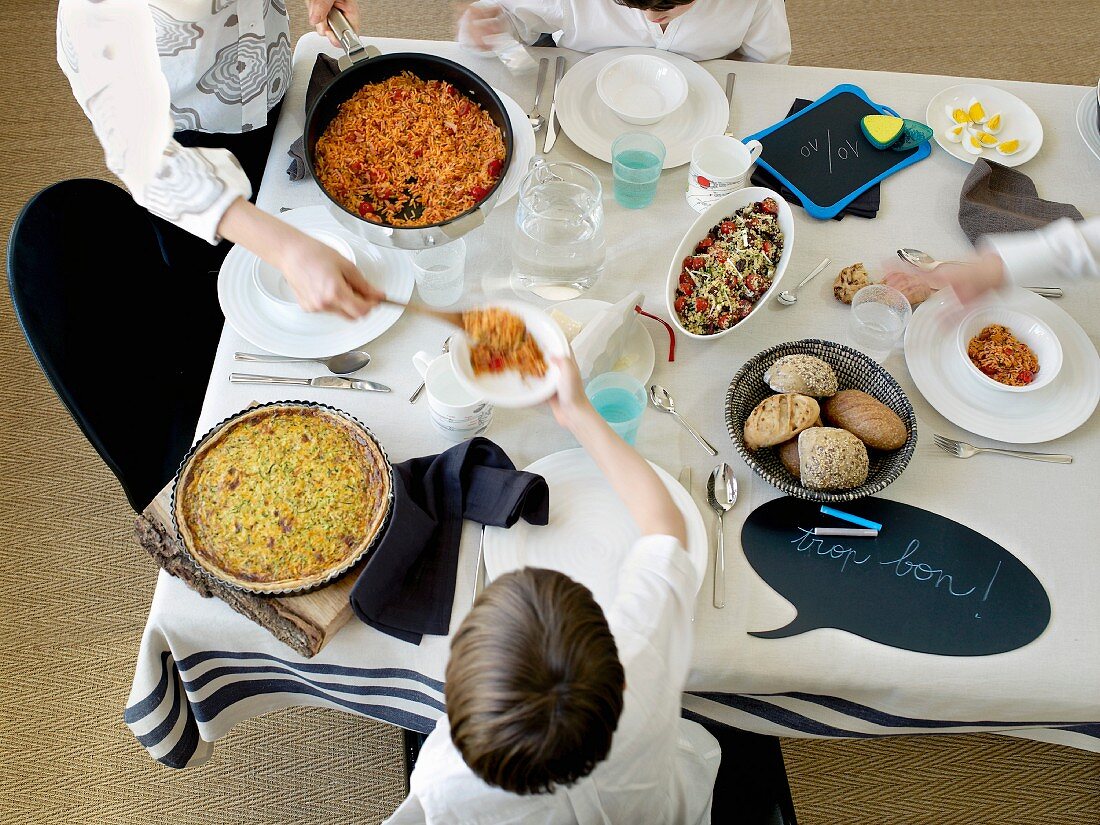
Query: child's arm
{"x": 768, "y": 39}
{"x": 633, "y": 480}
{"x": 528, "y": 20}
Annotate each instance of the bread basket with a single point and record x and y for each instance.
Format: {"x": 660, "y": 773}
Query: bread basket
{"x": 854, "y": 370}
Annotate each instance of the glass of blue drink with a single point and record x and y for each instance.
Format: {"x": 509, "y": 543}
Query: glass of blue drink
{"x": 636, "y": 161}
{"x": 620, "y": 400}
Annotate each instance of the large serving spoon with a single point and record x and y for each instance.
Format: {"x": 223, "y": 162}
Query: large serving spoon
{"x": 722, "y": 495}
{"x": 659, "y": 398}
{"x": 453, "y": 318}
{"x": 925, "y": 262}
{"x": 342, "y": 364}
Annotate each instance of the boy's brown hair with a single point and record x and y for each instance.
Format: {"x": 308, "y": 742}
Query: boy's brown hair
{"x": 534, "y": 685}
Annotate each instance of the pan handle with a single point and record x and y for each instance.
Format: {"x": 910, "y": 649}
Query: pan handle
{"x": 354, "y": 47}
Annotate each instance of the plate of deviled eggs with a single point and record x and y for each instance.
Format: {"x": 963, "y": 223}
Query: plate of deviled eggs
{"x": 973, "y": 120}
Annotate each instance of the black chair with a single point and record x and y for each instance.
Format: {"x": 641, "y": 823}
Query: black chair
{"x": 126, "y": 340}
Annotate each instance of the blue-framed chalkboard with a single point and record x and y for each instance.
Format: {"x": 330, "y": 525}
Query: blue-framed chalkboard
{"x": 821, "y": 154}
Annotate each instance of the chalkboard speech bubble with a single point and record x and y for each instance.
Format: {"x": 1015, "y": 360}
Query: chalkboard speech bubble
{"x": 926, "y": 584}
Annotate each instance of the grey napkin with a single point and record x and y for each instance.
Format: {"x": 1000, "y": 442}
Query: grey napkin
{"x": 998, "y": 199}
{"x": 324, "y": 70}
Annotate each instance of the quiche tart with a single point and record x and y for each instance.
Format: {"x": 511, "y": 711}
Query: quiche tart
{"x": 282, "y": 497}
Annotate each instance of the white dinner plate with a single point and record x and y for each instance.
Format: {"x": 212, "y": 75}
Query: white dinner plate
{"x": 1087, "y": 123}
{"x": 590, "y": 529}
{"x": 523, "y": 148}
{"x": 638, "y": 359}
{"x": 292, "y": 332}
{"x": 509, "y": 389}
{"x": 590, "y": 124}
{"x": 942, "y": 377}
{"x": 1018, "y": 121}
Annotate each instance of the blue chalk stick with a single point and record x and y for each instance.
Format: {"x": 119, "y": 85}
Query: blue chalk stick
{"x": 840, "y": 514}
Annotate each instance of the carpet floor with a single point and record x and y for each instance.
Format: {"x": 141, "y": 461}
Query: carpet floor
{"x": 75, "y": 587}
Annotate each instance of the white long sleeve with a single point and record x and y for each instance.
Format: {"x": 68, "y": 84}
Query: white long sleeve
{"x": 114, "y": 54}
{"x": 1070, "y": 249}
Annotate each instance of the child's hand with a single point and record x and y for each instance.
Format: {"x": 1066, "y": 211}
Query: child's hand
{"x": 479, "y": 23}
{"x": 570, "y": 402}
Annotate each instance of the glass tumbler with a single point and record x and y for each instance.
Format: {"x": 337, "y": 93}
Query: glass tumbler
{"x": 879, "y": 316}
{"x": 636, "y": 161}
{"x": 439, "y": 273}
{"x": 558, "y": 243}
{"x": 620, "y": 399}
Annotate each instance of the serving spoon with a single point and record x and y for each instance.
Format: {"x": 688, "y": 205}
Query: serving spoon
{"x": 342, "y": 364}
{"x": 722, "y": 495}
{"x": 788, "y": 298}
{"x": 925, "y": 262}
{"x": 659, "y": 398}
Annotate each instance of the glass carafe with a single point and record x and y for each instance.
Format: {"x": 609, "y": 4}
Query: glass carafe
{"x": 558, "y": 244}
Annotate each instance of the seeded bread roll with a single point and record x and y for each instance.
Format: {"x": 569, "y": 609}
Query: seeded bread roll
{"x": 831, "y": 459}
{"x": 803, "y": 374}
{"x": 788, "y": 453}
{"x": 871, "y": 421}
{"x": 778, "y": 418}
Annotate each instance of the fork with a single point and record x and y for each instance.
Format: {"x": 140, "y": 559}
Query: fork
{"x": 960, "y": 449}
{"x": 533, "y": 117}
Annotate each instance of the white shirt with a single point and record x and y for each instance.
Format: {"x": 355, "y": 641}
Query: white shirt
{"x": 755, "y": 29}
{"x": 661, "y": 768}
{"x": 1067, "y": 248}
{"x": 142, "y": 70}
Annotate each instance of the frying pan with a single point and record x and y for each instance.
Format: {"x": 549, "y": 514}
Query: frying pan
{"x": 367, "y": 65}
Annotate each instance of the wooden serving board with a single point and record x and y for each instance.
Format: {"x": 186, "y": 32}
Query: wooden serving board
{"x": 304, "y": 622}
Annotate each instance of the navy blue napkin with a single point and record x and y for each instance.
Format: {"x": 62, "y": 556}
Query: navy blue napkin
{"x": 325, "y": 70}
{"x": 407, "y": 585}
{"x": 865, "y": 206}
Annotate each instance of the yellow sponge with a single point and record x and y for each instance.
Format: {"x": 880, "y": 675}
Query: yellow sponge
{"x": 882, "y": 130}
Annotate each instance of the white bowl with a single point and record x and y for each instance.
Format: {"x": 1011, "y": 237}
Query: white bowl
{"x": 510, "y": 389}
{"x": 703, "y": 224}
{"x": 270, "y": 281}
{"x": 1026, "y": 328}
{"x": 641, "y": 88}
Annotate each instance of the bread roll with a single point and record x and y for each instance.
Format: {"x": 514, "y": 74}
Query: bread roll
{"x": 850, "y": 281}
{"x": 778, "y": 418}
{"x": 871, "y": 421}
{"x": 788, "y": 452}
{"x": 803, "y": 374}
{"x": 831, "y": 459}
{"x": 788, "y": 457}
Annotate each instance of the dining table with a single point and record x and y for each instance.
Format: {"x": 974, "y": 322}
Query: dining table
{"x": 202, "y": 668}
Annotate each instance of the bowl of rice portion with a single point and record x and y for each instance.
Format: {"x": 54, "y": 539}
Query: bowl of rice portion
{"x": 1009, "y": 350}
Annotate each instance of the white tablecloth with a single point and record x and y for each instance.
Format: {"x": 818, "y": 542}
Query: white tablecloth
{"x": 202, "y": 667}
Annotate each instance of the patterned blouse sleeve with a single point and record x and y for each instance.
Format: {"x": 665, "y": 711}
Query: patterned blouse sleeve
{"x": 108, "y": 52}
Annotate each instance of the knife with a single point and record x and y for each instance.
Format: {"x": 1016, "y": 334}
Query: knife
{"x": 334, "y": 382}
{"x": 552, "y": 120}
{"x": 731, "y": 78}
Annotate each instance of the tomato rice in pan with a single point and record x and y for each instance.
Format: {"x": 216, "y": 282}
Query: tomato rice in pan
{"x": 408, "y": 144}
